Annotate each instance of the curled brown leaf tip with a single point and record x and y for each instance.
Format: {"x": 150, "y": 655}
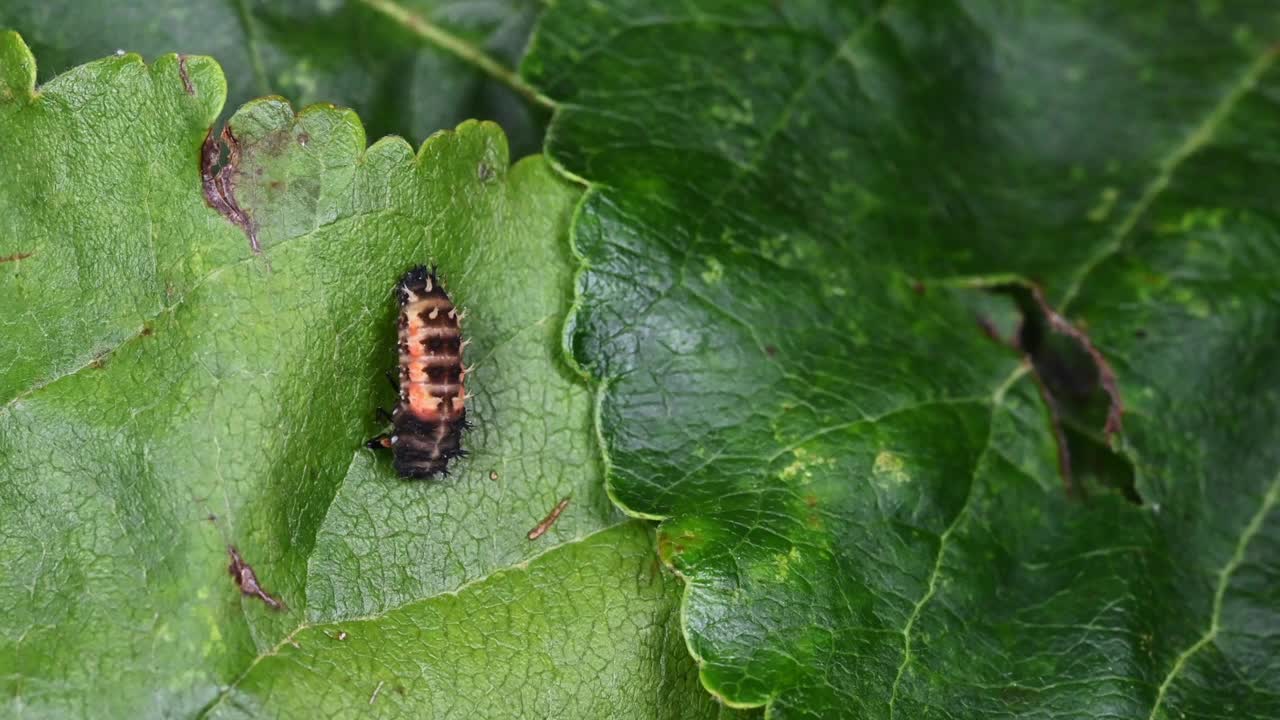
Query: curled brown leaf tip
{"x": 247, "y": 580}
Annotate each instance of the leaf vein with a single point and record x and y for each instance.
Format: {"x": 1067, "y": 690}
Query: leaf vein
{"x": 1251, "y": 529}
{"x": 932, "y": 588}
{"x": 463, "y": 50}
{"x": 1201, "y": 135}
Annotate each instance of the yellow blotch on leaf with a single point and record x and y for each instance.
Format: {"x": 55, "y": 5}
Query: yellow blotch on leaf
{"x": 889, "y": 467}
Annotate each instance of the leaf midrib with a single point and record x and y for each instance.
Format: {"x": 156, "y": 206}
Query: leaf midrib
{"x": 459, "y": 48}
{"x": 1168, "y": 166}
{"x": 1251, "y": 529}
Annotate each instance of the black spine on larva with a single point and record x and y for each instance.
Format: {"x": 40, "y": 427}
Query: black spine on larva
{"x": 430, "y": 417}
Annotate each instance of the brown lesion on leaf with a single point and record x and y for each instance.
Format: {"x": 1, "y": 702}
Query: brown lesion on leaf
{"x": 1059, "y": 431}
{"x": 1106, "y": 376}
{"x": 15, "y": 257}
{"x": 186, "y": 77}
{"x": 549, "y": 520}
{"x": 247, "y": 580}
{"x": 219, "y": 184}
{"x": 1068, "y": 377}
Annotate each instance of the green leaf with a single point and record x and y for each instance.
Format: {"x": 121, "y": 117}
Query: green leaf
{"x": 408, "y": 67}
{"x": 594, "y": 624}
{"x": 793, "y": 208}
{"x": 169, "y": 392}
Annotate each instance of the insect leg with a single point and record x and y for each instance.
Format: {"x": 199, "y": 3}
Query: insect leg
{"x": 380, "y": 442}
{"x": 395, "y": 384}
{"x": 384, "y": 415}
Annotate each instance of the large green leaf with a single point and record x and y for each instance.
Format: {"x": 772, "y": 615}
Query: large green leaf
{"x": 795, "y": 207}
{"x": 408, "y": 67}
{"x": 168, "y": 392}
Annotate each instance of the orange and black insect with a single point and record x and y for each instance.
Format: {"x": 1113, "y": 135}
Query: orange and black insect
{"x": 429, "y": 418}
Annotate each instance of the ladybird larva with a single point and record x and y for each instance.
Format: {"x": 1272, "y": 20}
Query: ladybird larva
{"x": 431, "y": 414}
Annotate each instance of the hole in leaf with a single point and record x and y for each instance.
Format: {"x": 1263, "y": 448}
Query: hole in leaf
{"x": 1076, "y": 383}
{"x": 1096, "y": 468}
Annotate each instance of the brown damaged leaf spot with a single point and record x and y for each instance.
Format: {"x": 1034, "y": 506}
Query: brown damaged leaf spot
{"x": 1059, "y": 438}
{"x": 219, "y": 190}
{"x": 15, "y": 257}
{"x": 186, "y": 77}
{"x": 1106, "y": 376}
{"x": 1032, "y": 300}
{"x": 549, "y": 520}
{"x": 247, "y": 580}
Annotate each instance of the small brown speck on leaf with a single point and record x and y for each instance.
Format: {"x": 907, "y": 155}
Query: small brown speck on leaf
{"x": 493, "y": 475}
{"x": 247, "y": 580}
{"x": 186, "y": 78}
{"x": 549, "y": 520}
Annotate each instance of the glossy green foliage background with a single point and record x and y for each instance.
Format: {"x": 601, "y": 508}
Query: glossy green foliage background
{"x": 792, "y": 208}
{"x": 798, "y": 218}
